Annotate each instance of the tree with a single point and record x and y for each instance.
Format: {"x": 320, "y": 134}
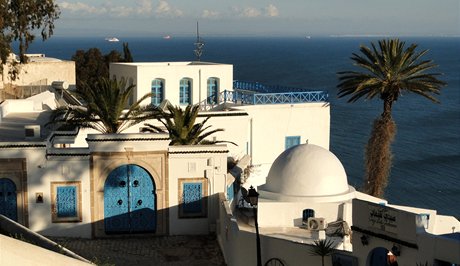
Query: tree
{"x": 323, "y": 248}
{"x": 91, "y": 65}
{"x": 23, "y": 18}
{"x": 181, "y": 126}
{"x": 5, "y": 40}
{"x": 389, "y": 70}
{"x": 127, "y": 53}
{"x": 104, "y": 111}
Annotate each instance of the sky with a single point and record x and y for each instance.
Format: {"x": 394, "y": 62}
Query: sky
{"x": 144, "y": 18}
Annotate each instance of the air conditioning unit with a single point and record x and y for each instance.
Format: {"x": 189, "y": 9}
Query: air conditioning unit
{"x": 316, "y": 223}
{"x": 32, "y": 132}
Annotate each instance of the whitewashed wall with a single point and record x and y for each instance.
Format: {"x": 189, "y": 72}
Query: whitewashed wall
{"x": 172, "y": 72}
{"x": 406, "y": 227}
{"x": 270, "y": 124}
{"x": 202, "y": 164}
{"x": 49, "y": 71}
{"x": 59, "y": 170}
{"x": 238, "y": 244}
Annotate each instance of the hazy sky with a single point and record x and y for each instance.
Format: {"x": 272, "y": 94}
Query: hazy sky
{"x": 258, "y": 17}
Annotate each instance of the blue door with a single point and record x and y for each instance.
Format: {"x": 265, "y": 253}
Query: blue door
{"x": 378, "y": 257}
{"x": 8, "y": 200}
{"x": 129, "y": 201}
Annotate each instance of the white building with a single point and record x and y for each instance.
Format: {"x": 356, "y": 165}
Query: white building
{"x": 41, "y": 168}
{"x": 306, "y": 198}
{"x": 250, "y": 116}
{"x": 99, "y": 185}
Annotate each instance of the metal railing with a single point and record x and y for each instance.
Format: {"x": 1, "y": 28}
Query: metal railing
{"x": 240, "y": 97}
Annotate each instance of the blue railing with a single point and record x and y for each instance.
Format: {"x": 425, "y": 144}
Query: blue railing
{"x": 252, "y": 93}
{"x": 244, "y": 97}
{"x": 262, "y": 88}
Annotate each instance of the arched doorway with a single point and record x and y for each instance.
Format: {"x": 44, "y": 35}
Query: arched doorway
{"x": 378, "y": 257}
{"x": 8, "y": 200}
{"x": 129, "y": 201}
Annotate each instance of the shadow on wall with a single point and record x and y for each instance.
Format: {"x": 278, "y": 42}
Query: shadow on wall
{"x": 191, "y": 218}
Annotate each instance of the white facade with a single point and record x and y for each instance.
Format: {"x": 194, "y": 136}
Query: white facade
{"x": 143, "y": 75}
{"x": 250, "y": 126}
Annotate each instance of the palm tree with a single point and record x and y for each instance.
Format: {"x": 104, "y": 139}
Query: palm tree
{"x": 181, "y": 126}
{"x": 323, "y": 248}
{"x": 104, "y": 102}
{"x": 389, "y": 70}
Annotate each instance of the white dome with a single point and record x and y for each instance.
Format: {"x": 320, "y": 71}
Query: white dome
{"x": 307, "y": 170}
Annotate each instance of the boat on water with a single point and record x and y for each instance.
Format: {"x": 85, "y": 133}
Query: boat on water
{"x": 112, "y": 39}
{"x": 167, "y": 37}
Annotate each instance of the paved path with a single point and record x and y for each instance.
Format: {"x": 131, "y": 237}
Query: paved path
{"x": 140, "y": 251}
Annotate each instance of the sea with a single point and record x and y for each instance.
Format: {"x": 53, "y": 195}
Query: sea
{"x": 426, "y": 151}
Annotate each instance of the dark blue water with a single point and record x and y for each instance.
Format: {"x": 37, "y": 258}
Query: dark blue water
{"x": 426, "y": 165}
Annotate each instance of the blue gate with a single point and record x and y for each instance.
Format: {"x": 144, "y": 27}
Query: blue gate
{"x": 129, "y": 201}
{"x": 8, "y": 200}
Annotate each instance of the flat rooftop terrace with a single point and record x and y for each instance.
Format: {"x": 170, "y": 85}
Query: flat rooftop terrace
{"x": 12, "y": 125}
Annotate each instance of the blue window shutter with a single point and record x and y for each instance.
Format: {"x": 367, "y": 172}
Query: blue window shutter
{"x": 213, "y": 90}
{"x": 185, "y": 91}
{"x": 291, "y": 141}
{"x": 192, "y": 194}
{"x": 66, "y": 201}
{"x": 230, "y": 192}
{"x": 157, "y": 91}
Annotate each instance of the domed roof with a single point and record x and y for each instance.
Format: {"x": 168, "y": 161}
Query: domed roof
{"x": 307, "y": 170}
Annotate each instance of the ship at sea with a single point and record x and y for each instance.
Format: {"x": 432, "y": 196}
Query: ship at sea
{"x": 112, "y": 39}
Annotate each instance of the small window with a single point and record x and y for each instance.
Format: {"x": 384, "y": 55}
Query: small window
{"x": 157, "y": 89}
{"x": 66, "y": 202}
{"x": 192, "y": 201}
{"x": 213, "y": 90}
{"x": 292, "y": 141}
{"x": 30, "y": 132}
{"x": 185, "y": 91}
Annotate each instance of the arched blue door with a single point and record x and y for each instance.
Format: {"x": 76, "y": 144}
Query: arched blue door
{"x": 129, "y": 201}
{"x": 8, "y": 200}
{"x": 378, "y": 257}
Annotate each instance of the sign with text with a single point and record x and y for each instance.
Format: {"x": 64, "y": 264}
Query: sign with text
{"x": 382, "y": 218}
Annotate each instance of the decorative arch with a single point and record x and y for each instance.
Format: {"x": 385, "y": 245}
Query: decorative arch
{"x": 129, "y": 200}
{"x": 103, "y": 164}
{"x": 15, "y": 170}
{"x": 378, "y": 257}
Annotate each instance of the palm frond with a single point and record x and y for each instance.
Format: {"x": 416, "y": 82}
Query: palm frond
{"x": 390, "y": 69}
{"x": 105, "y": 102}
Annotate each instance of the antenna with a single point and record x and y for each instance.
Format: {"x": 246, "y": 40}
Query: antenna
{"x": 198, "y": 44}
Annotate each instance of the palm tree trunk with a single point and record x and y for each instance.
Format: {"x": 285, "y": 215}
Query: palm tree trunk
{"x": 378, "y": 155}
{"x": 387, "y": 105}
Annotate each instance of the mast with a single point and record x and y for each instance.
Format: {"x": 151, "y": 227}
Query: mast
{"x": 198, "y": 44}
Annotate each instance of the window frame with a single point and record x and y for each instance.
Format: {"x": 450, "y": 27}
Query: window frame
{"x": 212, "y": 87}
{"x": 54, "y": 204}
{"x": 203, "y": 213}
{"x": 157, "y": 87}
{"x": 185, "y": 91}
{"x": 288, "y": 140}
